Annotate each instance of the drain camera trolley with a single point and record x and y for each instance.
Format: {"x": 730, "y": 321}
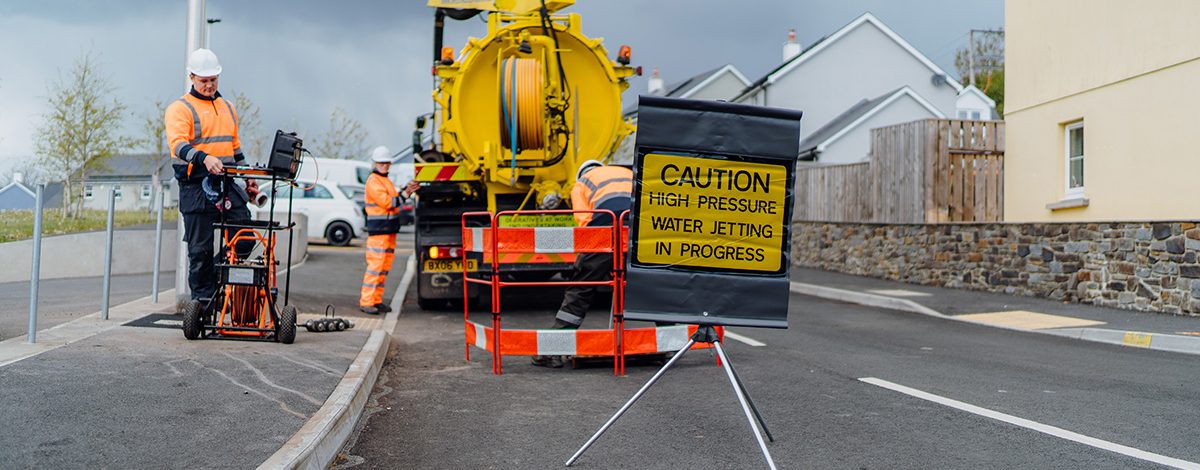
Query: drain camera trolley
{"x": 246, "y": 303}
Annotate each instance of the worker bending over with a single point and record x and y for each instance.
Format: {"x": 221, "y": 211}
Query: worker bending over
{"x": 202, "y": 132}
{"x": 597, "y": 187}
{"x": 383, "y": 222}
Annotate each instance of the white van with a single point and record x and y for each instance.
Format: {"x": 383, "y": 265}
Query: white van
{"x": 342, "y": 172}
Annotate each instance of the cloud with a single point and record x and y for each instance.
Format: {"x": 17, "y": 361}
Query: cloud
{"x": 297, "y": 60}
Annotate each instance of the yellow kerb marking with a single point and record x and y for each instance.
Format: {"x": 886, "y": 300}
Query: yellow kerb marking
{"x": 1025, "y": 320}
{"x": 1135, "y": 339}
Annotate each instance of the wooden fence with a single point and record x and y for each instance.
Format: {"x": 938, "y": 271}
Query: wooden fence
{"x": 928, "y": 171}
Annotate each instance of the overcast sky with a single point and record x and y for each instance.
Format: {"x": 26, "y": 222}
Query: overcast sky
{"x": 299, "y": 59}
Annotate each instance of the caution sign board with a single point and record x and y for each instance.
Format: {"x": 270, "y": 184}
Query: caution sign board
{"x": 709, "y": 241}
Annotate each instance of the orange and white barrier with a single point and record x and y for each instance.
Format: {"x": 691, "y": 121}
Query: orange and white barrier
{"x": 508, "y": 245}
{"x": 553, "y": 342}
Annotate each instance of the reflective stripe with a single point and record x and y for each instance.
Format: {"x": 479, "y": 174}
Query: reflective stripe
{"x": 571, "y": 318}
{"x": 195, "y": 118}
{"x": 377, "y": 273}
{"x": 178, "y": 148}
{"x": 611, "y": 181}
{"x": 554, "y": 240}
{"x": 610, "y": 196}
{"x": 231, "y": 113}
{"x": 584, "y": 180}
{"x": 372, "y": 286}
{"x": 380, "y": 250}
{"x": 192, "y": 153}
{"x": 213, "y": 139}
{"x": 383, "y": 217}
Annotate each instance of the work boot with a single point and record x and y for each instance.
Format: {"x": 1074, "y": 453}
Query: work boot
{"x": 553, "y": 362}
{"x": 370, "y": 309}
{"x": 562, "y": 325}
{"x": 385, "y": 308}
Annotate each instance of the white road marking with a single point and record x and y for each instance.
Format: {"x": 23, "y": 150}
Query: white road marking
{"x": 165, "y": 322}
{"x": 743, "y": 339}
{"x": 1036, "y": 426}
{"x": 898, "y": 292}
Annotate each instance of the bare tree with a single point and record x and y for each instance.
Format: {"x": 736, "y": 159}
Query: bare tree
{"x": 153, "y": 141}
{"x": 250, "y": 130}
{"x": 32, "y": 171}
{"x": 79, "y": 133}
{"x": 984, "y": 56}
{"x": 345, "y": 138}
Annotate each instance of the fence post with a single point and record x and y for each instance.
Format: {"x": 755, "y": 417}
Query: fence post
{"x": 157, "y": 245}
{"x": 37, "y": 266}
{"x": 108, "y": 243}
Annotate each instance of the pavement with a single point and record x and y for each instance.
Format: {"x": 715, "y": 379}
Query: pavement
{"x": 1175, "y": 333}
{"x": 131, "y": 392}
{"x": 63, "y": 300}
{"x": 96, "y": 393}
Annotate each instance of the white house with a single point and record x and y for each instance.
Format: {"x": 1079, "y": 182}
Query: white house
{"x": 721, "y": 83}
{"x": 847, "y": 138}
{"x": 864, "y": 63}
{"x": 974, "y": 105}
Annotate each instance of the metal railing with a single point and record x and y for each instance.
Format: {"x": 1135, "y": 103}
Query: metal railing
{"x": 35, "y": 275}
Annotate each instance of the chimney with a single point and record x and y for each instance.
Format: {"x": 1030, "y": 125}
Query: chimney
{"x": 655, "y": 84}
{"x": 791, "y": 48}
{"x": 18, "y": 177}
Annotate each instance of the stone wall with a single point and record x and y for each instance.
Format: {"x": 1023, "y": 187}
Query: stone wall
{"x": 1136, "y": 266}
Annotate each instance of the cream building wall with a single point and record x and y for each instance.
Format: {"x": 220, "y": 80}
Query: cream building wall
{"x": 1129, "y": 71}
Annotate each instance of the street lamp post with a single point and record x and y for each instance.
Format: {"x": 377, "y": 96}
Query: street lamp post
{"x": 208, "y": 30}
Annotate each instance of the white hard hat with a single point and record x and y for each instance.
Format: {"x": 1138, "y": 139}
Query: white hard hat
{"x": 381, "y": 154}
{"x": 203, "y": 63}
{"x": 585, "y": 166}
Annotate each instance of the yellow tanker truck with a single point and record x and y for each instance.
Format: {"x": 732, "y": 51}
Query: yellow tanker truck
{"x": 515, "y": 112}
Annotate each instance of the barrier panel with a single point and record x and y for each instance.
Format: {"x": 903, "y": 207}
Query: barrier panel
{"x": 501, "y": 245}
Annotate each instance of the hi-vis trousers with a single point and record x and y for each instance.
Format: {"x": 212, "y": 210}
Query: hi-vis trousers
{"x": 381, "y": 250}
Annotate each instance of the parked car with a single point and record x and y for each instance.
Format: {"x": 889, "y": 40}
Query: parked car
{"x": 332, "y": 213}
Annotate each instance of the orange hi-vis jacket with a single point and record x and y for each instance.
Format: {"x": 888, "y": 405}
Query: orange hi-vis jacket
{"x": 383, "y": 205}
{"x": 198, "y": 126}
{"x": 603, "y": 188}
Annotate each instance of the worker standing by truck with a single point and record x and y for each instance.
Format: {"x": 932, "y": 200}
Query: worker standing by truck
{"x": 202, "y": 132}
{"x": 383, "y": 205}
{"x": 597, "y": 187}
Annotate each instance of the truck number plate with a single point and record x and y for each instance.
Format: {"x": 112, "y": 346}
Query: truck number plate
{"x": 449, "y": 265}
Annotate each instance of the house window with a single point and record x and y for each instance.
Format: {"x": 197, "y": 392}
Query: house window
{"x": 1074, "y": 148}
{"x": 146, "y": 191}
{"x": 87, "y": 191}
{"x": 971, "y": 114}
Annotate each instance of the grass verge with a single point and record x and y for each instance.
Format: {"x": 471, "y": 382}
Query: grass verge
{"x": 18, "y": 225}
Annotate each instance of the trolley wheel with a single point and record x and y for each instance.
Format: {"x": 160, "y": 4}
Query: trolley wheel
{"x": 285, "y": 331}
{"x": 191, "y": 319}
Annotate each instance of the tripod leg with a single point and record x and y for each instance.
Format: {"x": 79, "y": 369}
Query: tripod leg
{"x": 629, "y": 403}
{"x": 749, "y": 400}
{"x": 745, "y": 407}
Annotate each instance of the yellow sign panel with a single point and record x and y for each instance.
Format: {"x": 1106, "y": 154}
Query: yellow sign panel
{"x": 711, "y": 213}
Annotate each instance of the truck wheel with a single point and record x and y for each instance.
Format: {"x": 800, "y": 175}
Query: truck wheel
{"x": 191, "y": 319}
{"x": 285, "y": 331}
{"x": 339, "y": 234}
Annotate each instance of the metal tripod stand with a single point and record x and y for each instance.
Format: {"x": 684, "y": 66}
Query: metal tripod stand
{"x": 706, "y": 334}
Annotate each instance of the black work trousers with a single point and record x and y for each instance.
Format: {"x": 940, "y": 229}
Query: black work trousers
{"x": 577, "y": 299}
{"x": 199, "y": 234}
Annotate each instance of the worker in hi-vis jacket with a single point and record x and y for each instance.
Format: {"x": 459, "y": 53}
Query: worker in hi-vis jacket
{"x": 383, "y": 203}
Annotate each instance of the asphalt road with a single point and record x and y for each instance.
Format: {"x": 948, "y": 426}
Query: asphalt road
{"x": 430, "y": 409}
{"x": 63, "y": 300}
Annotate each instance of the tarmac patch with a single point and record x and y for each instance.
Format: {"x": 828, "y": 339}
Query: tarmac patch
{"x": 1025, "y": 320}
{"x": 158, "y": 320}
